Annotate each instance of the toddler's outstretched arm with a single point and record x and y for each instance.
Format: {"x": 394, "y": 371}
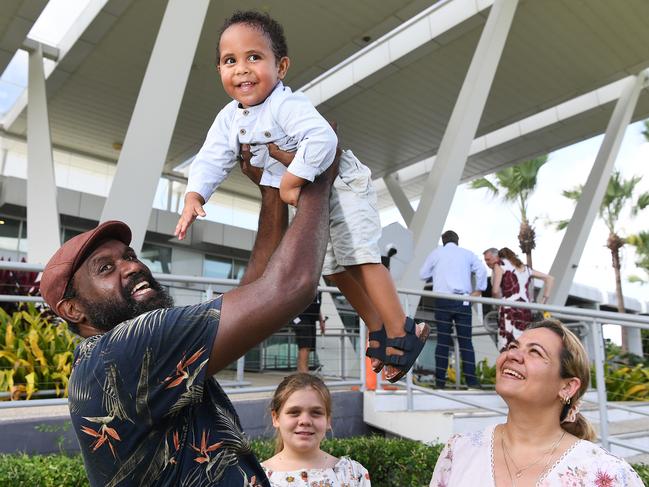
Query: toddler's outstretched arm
{"x": 193, "y": 207}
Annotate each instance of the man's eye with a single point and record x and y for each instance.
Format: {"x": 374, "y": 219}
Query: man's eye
{"x": 105, "y": 267}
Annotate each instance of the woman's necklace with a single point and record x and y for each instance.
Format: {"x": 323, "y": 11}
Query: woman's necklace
{"x": 520, "y": 470}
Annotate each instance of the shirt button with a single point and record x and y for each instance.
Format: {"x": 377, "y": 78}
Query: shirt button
{"x": 246, "y": 112}
{"x": 242, "y": 131}
{"x": 267, "y": 134}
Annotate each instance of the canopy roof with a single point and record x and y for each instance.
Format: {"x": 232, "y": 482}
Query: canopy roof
{"x": 557, "y": 51}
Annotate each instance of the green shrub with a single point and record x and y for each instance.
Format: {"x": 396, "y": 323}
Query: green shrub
{"x": 391, "y": 463}
{"x": 36, "y": 351}
{"x": 643, "y": 471}
{"x": 42, "y": 471}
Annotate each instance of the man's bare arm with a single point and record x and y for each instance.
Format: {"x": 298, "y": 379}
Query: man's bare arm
{"x": 252, "y": 312}
{"x": 273, "y": 220}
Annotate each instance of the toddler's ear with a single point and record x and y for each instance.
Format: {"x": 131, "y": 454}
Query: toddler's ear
{"x": 282, "y": 67}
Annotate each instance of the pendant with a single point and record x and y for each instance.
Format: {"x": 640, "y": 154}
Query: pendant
{"x": 519, "y": 474}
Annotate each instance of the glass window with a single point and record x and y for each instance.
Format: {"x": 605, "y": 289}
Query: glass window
{"x": 218, "y": 267}
{"x": 239, "y": 269}
{"x": 68, "y": 233}
{"x": 156, "y": 257}
{"x": 9, "y": 231}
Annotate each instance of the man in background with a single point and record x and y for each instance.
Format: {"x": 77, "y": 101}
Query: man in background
{"x": 451, "y": 268}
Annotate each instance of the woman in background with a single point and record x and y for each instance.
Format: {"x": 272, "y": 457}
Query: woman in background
{"x": 512, "y": 280}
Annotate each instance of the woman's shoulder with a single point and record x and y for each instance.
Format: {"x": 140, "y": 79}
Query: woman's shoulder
{"x": 472, "y": 440}
{"x": 592, "y": 458}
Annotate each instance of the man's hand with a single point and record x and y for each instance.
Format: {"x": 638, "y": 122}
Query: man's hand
{"x": 280, "y": 155}
{"x": 322, "y": 320}
{"x": 476, "y": 294}
{"x": 193, "y": 207}
{"x": 253, "y": 173}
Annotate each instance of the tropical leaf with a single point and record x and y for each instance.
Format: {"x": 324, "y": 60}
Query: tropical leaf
{"x": 36, "y": 352}
{"x": 562, "y": 225}
{"x": 484, "y": 183}
{"x": 636, "y": 392}
{"x": 641, "y": 203}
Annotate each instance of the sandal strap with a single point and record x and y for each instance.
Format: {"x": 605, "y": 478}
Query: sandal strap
{"x": 407, "y": 342}
{"x": 376, "y": 352}
{"x": 410, "y": 344}
{"x": 378, "y": 335}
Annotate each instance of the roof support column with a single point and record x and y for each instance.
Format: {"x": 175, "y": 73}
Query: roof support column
{"x": 399, "y": 197}
{"x": 574, "y": 240}
{"x": 43, "y": 233}
{"x": 444, "y": 177}
{"x": 149, "y": 133}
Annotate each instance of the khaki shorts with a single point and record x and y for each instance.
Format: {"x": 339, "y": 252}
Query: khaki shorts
{"x": 354, "y": 223}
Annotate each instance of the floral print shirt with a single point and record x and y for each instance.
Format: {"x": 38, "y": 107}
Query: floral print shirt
{"x": 346, "y": 473}
{"x": 467, "y": 457}
{"x": 146, "y": 413}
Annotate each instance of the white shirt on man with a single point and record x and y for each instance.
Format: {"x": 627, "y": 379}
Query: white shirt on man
{"x": 285, "y": 118}
{"x": 450, "y": 267}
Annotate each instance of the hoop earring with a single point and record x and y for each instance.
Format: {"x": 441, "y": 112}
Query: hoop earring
{"x": 566, "y": 400}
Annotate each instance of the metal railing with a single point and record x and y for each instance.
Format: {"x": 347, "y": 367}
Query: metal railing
{"x": 585, "y": 319}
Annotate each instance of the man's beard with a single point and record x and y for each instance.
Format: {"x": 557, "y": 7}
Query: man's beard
{"x": 107, "y": 314}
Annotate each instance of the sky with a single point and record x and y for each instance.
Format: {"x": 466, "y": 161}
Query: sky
{"x": 482, "y": 221}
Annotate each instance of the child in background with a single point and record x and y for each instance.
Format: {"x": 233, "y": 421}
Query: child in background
{"x": 301, "y": 413}
{"x": 293, "y": 144}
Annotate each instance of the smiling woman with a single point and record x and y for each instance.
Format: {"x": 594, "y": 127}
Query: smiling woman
{"x": 545, "y": 441}
{"x": 301, "y": 412}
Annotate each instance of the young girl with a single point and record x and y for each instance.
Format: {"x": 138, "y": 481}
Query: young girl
{"x": 301, "y": 413}
{"x": 293, "y": 144}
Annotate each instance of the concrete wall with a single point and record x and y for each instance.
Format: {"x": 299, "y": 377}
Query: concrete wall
{"x": 55, "y": 434}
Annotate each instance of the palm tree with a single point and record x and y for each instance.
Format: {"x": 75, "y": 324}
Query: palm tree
{"x": 641, "y": 243}
{"x": 619, "y": 193}
{"x": 517, "y": 183}
{"x": 641, "y": 240}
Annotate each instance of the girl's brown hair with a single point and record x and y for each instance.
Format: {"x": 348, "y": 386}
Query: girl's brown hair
{"x": 574, "y": 363}
{"x": 288, "y": 386}
{"x": 507, "y": 253}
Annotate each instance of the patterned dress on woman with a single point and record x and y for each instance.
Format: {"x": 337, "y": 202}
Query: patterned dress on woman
{"x": 470, "y": 456}
{"x": 346, "y": 473}
{"x": 514, "y": 286}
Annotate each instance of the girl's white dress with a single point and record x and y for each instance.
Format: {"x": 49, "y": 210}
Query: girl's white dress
{"x": 469, "y": 457}
{"x": 346, "y": 473}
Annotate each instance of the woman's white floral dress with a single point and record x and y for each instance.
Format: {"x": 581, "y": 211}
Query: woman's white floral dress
{"x": 346, "y": 473}
{"x": 468, "y": 457}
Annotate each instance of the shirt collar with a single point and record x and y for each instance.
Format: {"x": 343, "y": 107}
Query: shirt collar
{"x": 278, "y": 87}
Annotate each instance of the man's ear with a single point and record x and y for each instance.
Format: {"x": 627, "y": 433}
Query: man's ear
{"x": 69, "y": 310}
{"x": 282, "y": 67}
